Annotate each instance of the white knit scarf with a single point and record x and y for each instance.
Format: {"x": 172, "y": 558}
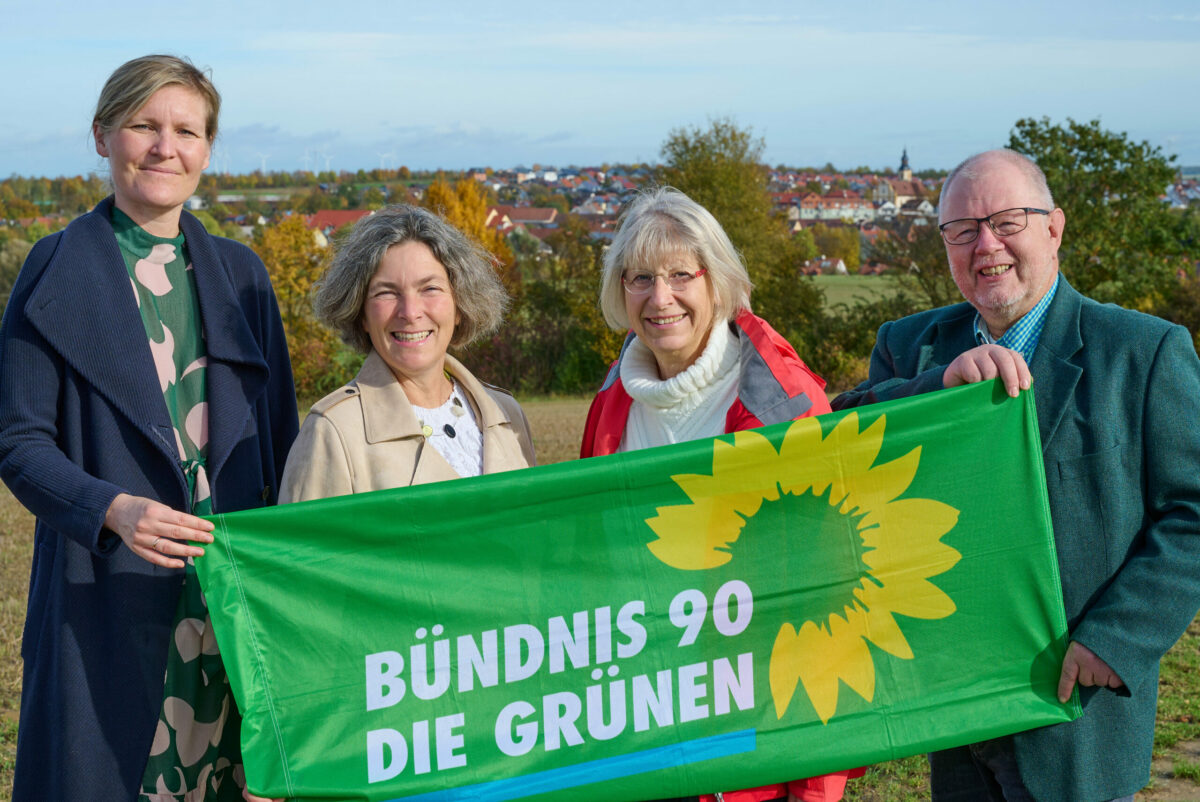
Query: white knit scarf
{"x": 687, "y": 406}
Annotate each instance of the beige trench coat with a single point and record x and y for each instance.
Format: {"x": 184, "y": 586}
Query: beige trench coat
{"x": 365, "y": 436}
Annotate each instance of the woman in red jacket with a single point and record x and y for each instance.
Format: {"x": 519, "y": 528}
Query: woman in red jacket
{"x": 697, "y": 363}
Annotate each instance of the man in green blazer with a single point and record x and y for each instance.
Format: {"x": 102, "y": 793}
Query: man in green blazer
{"x": 1118, "y": 402}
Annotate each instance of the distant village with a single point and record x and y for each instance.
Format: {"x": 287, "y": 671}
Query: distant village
{"x": 865, "y": 201}
{"x": 531, "y": 201}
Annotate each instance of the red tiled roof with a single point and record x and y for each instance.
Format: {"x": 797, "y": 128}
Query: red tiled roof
{"x": 910, "y": 188}
{"x": 335, "y": 218}
{"x": 497, "y": 218}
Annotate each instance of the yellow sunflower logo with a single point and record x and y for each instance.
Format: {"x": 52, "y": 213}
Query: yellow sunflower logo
{"x": 819, "y": 507}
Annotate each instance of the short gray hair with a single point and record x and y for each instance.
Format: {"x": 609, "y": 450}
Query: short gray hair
{"x": 479, "y": 297}
{"x": 969, "y": 169}
{"x": 661, "y": 222}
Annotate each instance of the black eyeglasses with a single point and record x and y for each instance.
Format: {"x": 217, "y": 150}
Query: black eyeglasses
{"x": 1004, "y": 223}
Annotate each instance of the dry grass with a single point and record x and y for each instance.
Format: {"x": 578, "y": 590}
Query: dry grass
{"x": 16, "y": 551}
{"x": 558, "y": 427}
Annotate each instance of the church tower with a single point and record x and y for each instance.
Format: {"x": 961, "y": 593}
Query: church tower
{"x": 905, "y": 170}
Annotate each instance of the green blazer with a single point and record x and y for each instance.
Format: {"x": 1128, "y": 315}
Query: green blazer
{"x": 1118, "y": 403}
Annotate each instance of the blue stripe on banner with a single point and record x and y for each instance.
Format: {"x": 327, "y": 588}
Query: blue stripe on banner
{"x": 701, "y": 749}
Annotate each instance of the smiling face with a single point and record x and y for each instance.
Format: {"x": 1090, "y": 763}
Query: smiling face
{"x": 156, "y": 157}
{"x": 410, "y": 315}
{"x": 1002, "y": 277}
{"x": 673, "y": 325}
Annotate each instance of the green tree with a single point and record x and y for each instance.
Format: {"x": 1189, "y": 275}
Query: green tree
{"x": 721, "y": 168}
{"x": 847, "y": 335}
{"x": 347, "y": 195}
{"x": 373, "y": 198}
{"x": 13, "y": 204}
{"x": 1183, "y": 303}
{"x": 1121, "y": 243}
{"x": 294, "y": 262}
{"x": 12, "y": 256}
{"x": 1184, "y": 307}
{"x": 840, "y": 242}
{"x": 918, "y": 254}
{"x": 465, "y": 204}
{"x": 36, "y": 230}
{"x": 558, "y": 318}
{"x": 255, "y": 207}
{"x": 543, "y": 196}
{"x": 208, "y": 221}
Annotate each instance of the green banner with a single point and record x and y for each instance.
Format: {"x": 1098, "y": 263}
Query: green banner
{"x": 712, "y": 615}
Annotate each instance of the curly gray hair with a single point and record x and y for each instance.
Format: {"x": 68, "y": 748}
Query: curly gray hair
{"x": 479, "y": 297}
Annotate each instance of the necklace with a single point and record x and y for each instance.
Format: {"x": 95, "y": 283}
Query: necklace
{"x": 453, "y": 405}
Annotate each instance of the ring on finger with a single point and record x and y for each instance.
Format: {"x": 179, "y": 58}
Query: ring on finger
{"x": 154, "y": 543}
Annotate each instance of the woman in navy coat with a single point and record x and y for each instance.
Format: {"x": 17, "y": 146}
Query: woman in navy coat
{"x": 144, "y": 377}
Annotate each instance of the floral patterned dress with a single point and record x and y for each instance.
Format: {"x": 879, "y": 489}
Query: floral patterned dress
{"x": 196, "y": 753}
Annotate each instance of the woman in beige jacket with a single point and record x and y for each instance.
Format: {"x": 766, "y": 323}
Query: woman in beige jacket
{"x": 404, "y": 287}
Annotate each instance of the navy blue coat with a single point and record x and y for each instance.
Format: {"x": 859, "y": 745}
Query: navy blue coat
{"x": 1118, "y": 401}
{"x": 82, "y": 418}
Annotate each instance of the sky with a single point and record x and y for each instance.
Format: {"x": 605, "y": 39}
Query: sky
{"x": 383, "y": 83}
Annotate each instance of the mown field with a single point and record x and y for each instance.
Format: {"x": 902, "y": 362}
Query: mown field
{"x": 557, "y": 426}
{"x": 848, "y": 289}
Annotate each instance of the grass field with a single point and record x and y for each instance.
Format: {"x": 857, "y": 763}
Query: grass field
{"x": 848, "y": 289}
{"x": 558, "y": 425}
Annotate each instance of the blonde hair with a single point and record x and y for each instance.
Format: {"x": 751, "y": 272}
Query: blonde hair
{"x": 662, "y": 222}
{"x": 131, "y": 86}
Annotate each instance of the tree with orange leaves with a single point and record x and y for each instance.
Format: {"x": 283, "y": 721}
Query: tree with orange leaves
{"x": 294, "y": 262}
{"x": 465, "y": 204}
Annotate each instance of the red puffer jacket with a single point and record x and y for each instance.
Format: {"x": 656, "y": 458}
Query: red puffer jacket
{"x": 774, "y": 385}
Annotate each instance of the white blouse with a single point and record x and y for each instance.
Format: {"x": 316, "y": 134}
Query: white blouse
{"x": 454, "y": 433}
